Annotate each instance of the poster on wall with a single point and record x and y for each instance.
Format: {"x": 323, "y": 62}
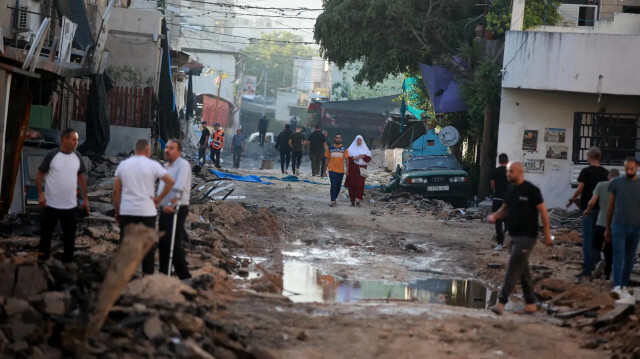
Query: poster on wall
{"x": 249, "y": 85}
{"x": 557, "y": 152}
{"x": 530, "y": 140}
{"x": 533, "y": 166}
{"x": 555, "y": 134}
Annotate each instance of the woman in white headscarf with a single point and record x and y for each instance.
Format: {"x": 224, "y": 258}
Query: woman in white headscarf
{"x": 359, "y": 156}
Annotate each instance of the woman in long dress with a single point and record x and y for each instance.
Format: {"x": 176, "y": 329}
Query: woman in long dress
{"x": 359, "y": 156}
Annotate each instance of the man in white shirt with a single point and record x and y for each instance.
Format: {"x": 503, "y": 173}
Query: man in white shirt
{"x": 178, "y": 200}
{"x": 61, "y": 171}
{"x": 133, "y": 196}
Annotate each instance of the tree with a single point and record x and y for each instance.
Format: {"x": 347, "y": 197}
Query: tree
{"x": 394, "y": 36}
{"x": 278, "y": 49}
{"x": 536, "y": 12}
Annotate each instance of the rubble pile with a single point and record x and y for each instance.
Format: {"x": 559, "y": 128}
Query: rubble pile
{"x": 431, "y": 207}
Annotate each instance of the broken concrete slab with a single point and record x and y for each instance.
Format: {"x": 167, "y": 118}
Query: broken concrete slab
{"x": 30, "y": 280}
{"x": 55, "y": 303}
{"x": 7, "y": 279}
{"x": 138, "y": 240}
{"x": 14, "y": 306}
{"x": 186, "y": 322}
{"x": 153, "y": 327}
{"x": 575, "y": 313}
{"x": 159, "y": 287}
{"x": 191, "y": 349}
{"x": 619, "y": 312}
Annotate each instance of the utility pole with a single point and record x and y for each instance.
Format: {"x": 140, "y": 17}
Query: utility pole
{"x": 266, "y": 80}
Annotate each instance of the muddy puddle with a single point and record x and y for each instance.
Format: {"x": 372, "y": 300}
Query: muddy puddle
{"x": 305, "y": 283}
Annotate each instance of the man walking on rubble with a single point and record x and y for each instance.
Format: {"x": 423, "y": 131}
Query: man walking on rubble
{"x": 317, "y": 148}
{"x": 61, "y": 170}
{"x": 133, "y": 196}
{"x": 202, "y": 144}
{"x": 337, "y": 162}
{"x": 178, "y": 200}
{"x": 296, "y": 142}
{"x": 237, "y": 146}
{"x": 282, "y": 144}
{"x": 217, "y": 144}
{"x": 601, "y": 197}
{"x": 623, "y": 228}
{"x": 522, "y": 203}
{"x": 499, "y": 186}
{"x": 588, "y": 179}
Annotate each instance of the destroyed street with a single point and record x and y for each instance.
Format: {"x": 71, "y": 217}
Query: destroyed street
{"x": 280, "y": 274}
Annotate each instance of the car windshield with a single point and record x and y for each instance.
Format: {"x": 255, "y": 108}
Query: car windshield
{"x": 428, "y": 163}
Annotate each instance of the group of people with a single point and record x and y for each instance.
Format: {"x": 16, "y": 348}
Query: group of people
{"x": 216, "y": 143}
{"x": 135, "y": 200}
{"x": 332, "y": 160}
{"x": 610, "y": 204}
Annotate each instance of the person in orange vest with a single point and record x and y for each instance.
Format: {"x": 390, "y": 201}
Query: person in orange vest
{"x": 216, "y": 143}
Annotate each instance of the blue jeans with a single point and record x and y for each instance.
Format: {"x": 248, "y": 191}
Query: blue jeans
{"x": 589, "y": 258}
{"x": 624, "y": 239}
{"x": 336, "y": 184}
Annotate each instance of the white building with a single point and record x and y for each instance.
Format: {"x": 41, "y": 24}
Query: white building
{"x": 568, "y": 89}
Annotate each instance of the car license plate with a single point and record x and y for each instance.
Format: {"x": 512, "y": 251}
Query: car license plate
{"x": 437, "y": 188}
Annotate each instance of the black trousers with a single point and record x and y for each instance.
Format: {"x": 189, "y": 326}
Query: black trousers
{"x": 285, "y": 157}
{"x": 316, "y": 163}
{"x": 518, "y": 270}
{"x": 598, "y": 241}
{"x": 497, "y": 203}
{"x": 296, "y": 159}
{"x": 262, "y": 134}
{"x": 179, "y": 260}
{"x": 215, "y": 157}
{"x": 149, "y": 261}
{"x": 237, "y": 153}
{"x": 48, "y": 221}
{"x": 202, "y": 152}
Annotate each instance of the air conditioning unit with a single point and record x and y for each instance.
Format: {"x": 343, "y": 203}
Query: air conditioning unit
{"x": 21, "y": 21}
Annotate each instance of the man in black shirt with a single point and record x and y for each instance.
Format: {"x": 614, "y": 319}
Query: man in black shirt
{"x": 282, "y": 143}
{"x": 204, "y": 140}
{"x": 499, "y": 186}
{"x": 588, "y": 179}
{"x": 522, "y": 202}
{"x": 316, "y": 150}
{"x": 296, "y": 141}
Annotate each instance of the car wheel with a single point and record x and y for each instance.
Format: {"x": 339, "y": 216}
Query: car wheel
{"x": 460, "y": 203}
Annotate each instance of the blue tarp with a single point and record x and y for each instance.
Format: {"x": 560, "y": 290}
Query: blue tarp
{"x": 443, "y": 89}
{"x": 292, "y": 178}
{"x": 250, "y": 178}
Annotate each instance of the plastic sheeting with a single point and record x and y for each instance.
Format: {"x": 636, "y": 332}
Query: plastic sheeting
{"x": 76, "y": 11}
{"x": 97, "y": 117}
{"x": 443, "y": 89}
{"x": 167, "y": 115}
{"x": 250, "y": 178}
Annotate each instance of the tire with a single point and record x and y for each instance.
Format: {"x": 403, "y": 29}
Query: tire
{"x": 460, "y": 203}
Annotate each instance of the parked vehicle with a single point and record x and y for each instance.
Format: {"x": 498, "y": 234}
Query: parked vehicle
{"x": 440, "y": 177}
{"x": 268, "y": 138}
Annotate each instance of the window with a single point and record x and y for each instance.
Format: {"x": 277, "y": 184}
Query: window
{"x": 22, "y": 20}
{"x": 617, "y": 135}
{"x": 631, "y": 9}
{"x": 586, "y": 15}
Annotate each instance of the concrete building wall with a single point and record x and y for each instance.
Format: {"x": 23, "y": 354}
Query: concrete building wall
{"x": 134, "y": 45}
{"x": 219, "y": 62}
{"x": 608, "y": 8}
{"x": 123, "y": 139}
{"x": 575, "y": 62}
{"x": 536, "y": 110}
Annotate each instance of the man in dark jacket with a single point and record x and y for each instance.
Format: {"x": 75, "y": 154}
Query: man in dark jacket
{"x": 316, "y": 150}
{"x": 282, "y": 143}
{"x": 263, "y": 124}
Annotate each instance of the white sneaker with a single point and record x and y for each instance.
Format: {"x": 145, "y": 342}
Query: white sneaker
{"x": 616, "y": 292}
{"x": 498, "y": 247}
{"x": 626, "y": 297}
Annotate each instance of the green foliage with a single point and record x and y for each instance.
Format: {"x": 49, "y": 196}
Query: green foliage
{"x": 280, "y": 57}
{"x": 483, "y": 89}
{"x": 536, "y": 12}
{"x": 393, "y": 36}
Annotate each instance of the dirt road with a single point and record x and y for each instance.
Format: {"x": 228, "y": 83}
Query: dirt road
{"x": 389, "y": 281}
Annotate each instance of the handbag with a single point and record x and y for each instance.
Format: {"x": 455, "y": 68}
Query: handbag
{"x": 364, "y": 173}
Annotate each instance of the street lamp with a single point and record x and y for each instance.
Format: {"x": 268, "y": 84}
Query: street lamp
{"x": 266, "y": 79}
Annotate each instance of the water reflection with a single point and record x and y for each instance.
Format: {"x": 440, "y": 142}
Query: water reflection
{"x": 304, "y": 283}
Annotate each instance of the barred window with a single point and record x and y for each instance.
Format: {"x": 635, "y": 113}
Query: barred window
{"x": 617, "y": 136}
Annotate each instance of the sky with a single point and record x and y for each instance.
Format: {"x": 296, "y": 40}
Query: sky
{"x": 289, "y": 22}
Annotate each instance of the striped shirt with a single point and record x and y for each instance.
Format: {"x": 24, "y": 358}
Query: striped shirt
{"x": 336, "y": 156}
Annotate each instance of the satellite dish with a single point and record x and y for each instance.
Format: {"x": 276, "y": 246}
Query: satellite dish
{"x": 449, "y": 136}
